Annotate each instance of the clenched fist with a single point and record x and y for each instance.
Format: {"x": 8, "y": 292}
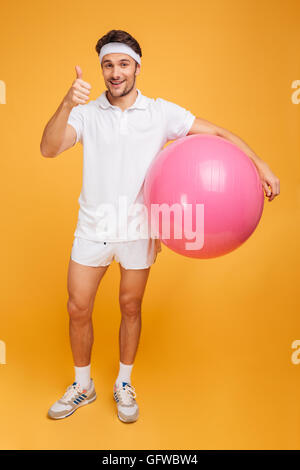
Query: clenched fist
{"x": 79, "y": 91}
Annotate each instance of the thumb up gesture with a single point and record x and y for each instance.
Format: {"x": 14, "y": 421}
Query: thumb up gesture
{"x": 79, "y": 91}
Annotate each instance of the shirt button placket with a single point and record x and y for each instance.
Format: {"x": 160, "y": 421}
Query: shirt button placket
{"x": 123, "y": 123}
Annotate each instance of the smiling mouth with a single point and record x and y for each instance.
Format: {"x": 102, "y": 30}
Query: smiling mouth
{"x": 117, "y": 84}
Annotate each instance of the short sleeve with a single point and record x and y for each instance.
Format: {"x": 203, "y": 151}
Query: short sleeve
{"x": 76, "y": 121}
{"x": 178, "y": 120}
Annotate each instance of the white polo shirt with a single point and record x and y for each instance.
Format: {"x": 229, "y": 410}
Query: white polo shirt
{"x": 118, "y": 147}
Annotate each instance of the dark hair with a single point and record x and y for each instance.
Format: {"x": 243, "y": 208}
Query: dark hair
{"x": 117, "y": 35}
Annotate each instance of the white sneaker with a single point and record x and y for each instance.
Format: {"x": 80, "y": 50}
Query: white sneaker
{"x": 124, "y": 395}
{"x": 74, "y": 398}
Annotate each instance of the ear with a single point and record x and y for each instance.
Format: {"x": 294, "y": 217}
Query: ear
{"x": 138, "y": 69}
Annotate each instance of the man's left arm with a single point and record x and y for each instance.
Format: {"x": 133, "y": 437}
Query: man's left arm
{"x": 270, "y": 182}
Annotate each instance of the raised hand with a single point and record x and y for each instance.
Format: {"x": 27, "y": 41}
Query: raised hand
{"x": 79, "y": 91}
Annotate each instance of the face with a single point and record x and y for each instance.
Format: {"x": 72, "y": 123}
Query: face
{"x": 119, "y": 68}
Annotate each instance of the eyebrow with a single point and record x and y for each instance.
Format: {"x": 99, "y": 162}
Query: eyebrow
{"x": 121, "y": 60}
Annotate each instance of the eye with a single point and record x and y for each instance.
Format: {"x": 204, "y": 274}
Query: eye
{"x": 124, "y": 63}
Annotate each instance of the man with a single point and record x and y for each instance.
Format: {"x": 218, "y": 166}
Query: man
{"x": 121, "y": 132}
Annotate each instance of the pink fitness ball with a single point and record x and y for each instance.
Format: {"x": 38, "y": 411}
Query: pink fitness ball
{"x": 217, "y": 188}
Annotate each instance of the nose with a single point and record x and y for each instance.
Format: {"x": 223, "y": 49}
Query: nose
{"x": 115, "y": 73}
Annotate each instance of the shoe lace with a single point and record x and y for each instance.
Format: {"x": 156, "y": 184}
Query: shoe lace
{"x": 72, "y": 391}
{"x": 127, "y": 394}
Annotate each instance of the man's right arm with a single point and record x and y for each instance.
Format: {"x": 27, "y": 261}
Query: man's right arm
{"x": 58, "y": 135}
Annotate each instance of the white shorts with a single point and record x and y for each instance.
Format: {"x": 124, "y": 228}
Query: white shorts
{"x": 136, "y": 254}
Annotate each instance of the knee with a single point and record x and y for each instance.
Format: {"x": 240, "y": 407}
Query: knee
{"x": 78, "y": 312}
{"x": 130, "y": 307}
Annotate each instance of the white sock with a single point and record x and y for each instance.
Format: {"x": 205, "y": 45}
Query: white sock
{"x": 124, "y": 373}
{"x": 83, "y": 375}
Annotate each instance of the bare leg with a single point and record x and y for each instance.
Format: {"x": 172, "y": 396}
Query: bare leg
{"x": 83, "y": 282}
{"x": 132, "y": 287}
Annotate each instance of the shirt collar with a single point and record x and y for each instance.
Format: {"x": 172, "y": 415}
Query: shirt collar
{"x": 140, "y": 102}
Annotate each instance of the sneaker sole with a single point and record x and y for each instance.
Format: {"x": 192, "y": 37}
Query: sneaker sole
{"x": 127, "y": 421}
{"x": 87, "y": 402}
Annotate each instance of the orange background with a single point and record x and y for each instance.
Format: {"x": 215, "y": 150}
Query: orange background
{"x": 213, "y": 369}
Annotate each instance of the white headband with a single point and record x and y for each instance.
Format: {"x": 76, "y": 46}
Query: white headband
{"x": 113, "y": 47}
